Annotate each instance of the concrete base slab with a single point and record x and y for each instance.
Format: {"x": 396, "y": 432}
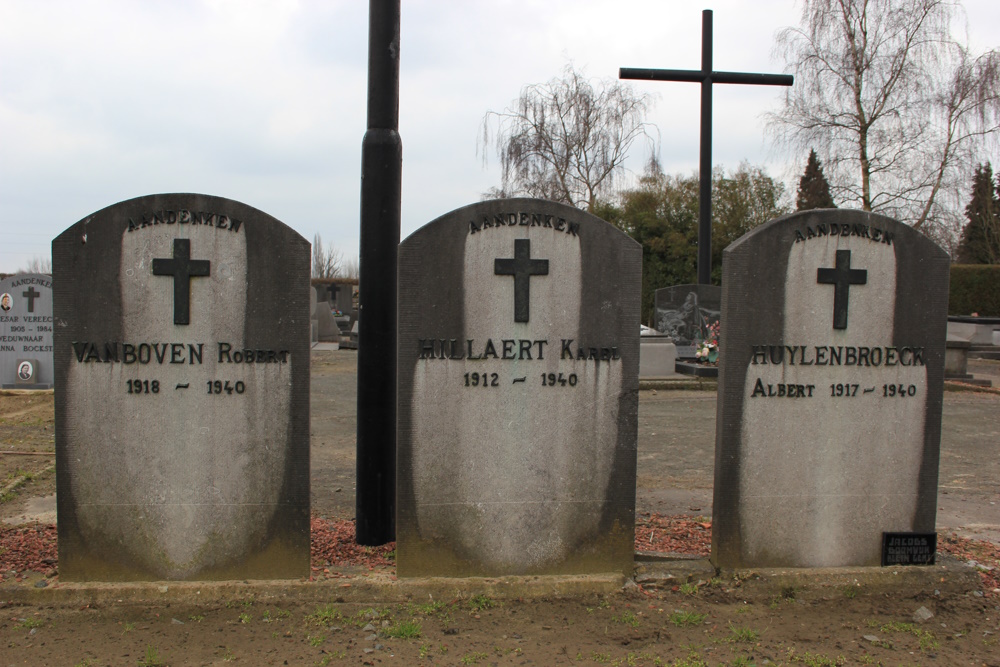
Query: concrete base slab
{"x": 947, "y": 575}
{"x": 363, "y": 587}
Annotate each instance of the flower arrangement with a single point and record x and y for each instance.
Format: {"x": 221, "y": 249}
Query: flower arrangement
{"x": 708, "y": 349}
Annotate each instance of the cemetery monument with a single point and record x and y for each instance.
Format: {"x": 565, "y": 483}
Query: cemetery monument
{"x": 830, "y": 390}
{"x": 685, "y": 313}
{"x": 517, "y": 404}
{"x": 26, "y": 331}
{"x": 182, "y": 392}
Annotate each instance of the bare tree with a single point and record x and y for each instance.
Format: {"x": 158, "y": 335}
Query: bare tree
{"x": 326, "y": 262}
{"x": 352, "y": 268}
{"x": 900, "y": 108}
{"x": 565, "y": 140}
{"x": 38, "y": 265}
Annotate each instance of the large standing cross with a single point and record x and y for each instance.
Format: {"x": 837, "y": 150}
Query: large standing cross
{"x": 706, "y": 77}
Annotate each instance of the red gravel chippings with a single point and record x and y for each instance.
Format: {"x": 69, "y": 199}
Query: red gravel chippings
{"x": 33, "y": 547}
{"x": 24, "y": 548}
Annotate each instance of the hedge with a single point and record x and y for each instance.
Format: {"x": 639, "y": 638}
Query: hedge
{"x": 975, "y": 288}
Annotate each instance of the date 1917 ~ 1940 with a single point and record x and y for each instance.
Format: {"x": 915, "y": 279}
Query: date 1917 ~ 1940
{"x": 848, "y": 390}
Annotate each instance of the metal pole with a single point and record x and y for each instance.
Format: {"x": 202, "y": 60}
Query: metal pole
{"x": 705, "y": 161}
{"x": 381, "y": 193}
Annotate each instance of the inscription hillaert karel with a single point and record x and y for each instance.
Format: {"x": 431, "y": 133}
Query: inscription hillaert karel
{"x": 522, "y": 267}
{"x": 842, "y": 277}
{"x": 181, "y": 268}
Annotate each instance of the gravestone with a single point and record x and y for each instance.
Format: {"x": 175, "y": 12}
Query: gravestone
{"x": 26, "y": 332}
{"x": 830, "y": 389}
{"x": 518, "y": 355}
{"x": 328, "y": 330}
{"x": 182, "y": 401}
{"x": 685, "y": 313}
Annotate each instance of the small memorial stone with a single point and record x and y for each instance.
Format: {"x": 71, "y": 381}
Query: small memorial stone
{"x": 182, "y": 402}
{"x": 685, "y": 313}
{"x": 26, "y": 332}
{"x": 518, "y": 384}
{"x": 830, "y": 389}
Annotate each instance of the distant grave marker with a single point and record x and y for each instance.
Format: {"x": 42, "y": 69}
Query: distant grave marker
{"x": 26, "y": 332}
{"x": 182, "y": 402}
{"x": 685, "y": 313}
{"x": 517, "y": 405}
{"x": 830, "y": 391}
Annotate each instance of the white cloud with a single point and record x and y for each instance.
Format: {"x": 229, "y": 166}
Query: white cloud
{"x": 264, "y": 101}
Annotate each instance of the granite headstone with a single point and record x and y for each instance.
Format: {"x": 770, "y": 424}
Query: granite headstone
{"x": 830, "y": 389}
{"x": 685, "y": 313}
{"x": 182, "y": 392}
{"x": 517, "y": 402}
{"x": 26, "y": 332}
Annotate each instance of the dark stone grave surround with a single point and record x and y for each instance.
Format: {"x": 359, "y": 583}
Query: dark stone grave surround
{"x": 684, "y": 312}
{"x": 26, "y": 331}
{"x": 182, "y": 449}
{"x": 830, "y": 389}
{"x": 516, "y": 455}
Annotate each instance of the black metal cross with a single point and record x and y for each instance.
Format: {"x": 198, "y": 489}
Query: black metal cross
{"x": 842, "y": 276}
{"x": 706, "y": 77}
{"x": 522, "y": 267}
{"x": 182, "y": 268}
{"x": 31, "y": 295}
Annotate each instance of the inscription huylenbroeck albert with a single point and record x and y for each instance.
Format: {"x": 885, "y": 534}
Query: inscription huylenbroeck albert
{"x": 841, "y": 276}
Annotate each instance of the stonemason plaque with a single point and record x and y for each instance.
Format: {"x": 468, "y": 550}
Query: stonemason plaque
{"x": 517, "y": 404}
{"x": 685, "y": 313}
{"x": 182, "y": 392}
{"x": 26, "y": 332}
{"x": 830, "y": 388}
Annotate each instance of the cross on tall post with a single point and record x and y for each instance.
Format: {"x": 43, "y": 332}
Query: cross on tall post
{"x": 706, "y": 77}
{"x": 842, "y": 276}
{"x": 522, "y": 267}
{"x": 31, "y": 294}
{"x": 182, "y": 268}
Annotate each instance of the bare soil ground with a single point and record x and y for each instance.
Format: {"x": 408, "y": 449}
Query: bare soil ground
{"x": 707, "y": 625}
{"x": 690, "y": 621}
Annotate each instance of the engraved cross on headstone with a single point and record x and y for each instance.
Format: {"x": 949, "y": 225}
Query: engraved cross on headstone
{"x": 842, "y": 276}
{"x": 182, "y": 268}
{"x": 31, "y": 294}
{"x": 522, "y": 267}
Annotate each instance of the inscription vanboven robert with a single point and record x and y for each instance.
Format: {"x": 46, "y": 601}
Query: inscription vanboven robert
{"x": 182, "y": 416}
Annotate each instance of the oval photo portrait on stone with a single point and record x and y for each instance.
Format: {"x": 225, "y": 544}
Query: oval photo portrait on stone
{"x": 25, "y": 370}
{"x": 6, "y": 302}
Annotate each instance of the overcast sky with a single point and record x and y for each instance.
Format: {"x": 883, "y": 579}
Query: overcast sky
{"x": 263, "y": 101}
